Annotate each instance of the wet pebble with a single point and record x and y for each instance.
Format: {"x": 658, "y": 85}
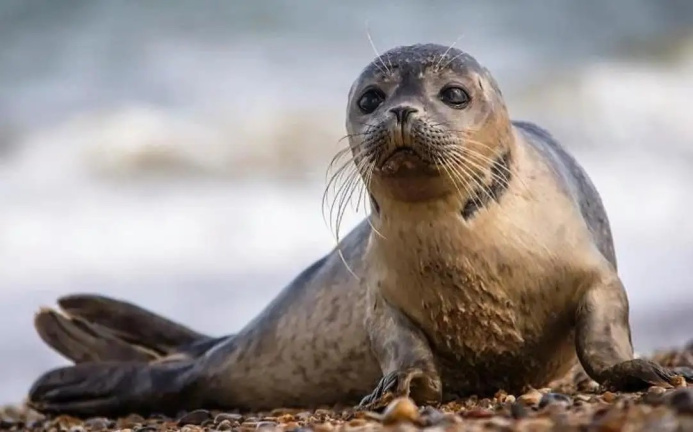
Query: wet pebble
{"x": 608, "y": 397}
{"x": 144, "y": 428}
{"x": 266, "y": 425}
{"x": 681, "y": 400}
{"x": 399, "y": 410}
{"x": 431, "y": 416}
{"x": 99, "y": 423}
{"x": 224, "y": 425}
{"x": 196, "y": 417}
{"x": 518, "y": 410}
{"x": 555, "y": 399}
{"x": 532, "y": 397}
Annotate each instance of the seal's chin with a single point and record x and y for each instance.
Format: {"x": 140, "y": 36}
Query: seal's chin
{"x": 405, "y": 176}
{"x": 406, "y": 162}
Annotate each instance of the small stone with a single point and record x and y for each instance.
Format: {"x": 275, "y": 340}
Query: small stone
{"x": 555, "y": 399}
{"x": 608, "y": 397}
{"x": 534, "y": 425}
{"x": 196, "y": 417}
{"x": 499, "y": 423}
{"x": 657, "y": 390}
{"x": 431, "y": 416}
{"x": 612, "y": 420}
{"x": 266, "y": 425}
{"x": 510, "y": 399}
{"x": 500, "y": 396}
{"x": 679, "y": 382}
{"x": 357, "y": 422}
{"x": 399, "y": 410}
{"x": 224, "y": 425}
{"x": 303, "y": 415}
{"x": 134, "y": 419}
{"x": 145, "y": 428}
{"x": 77, "y": 429}
{"x": 98, "y": 423}
{"x": 478, "y": 413}
{"x": 681, "y": 400}
{"x": 292, "y": 426}
{"x": 518, "y": 410}
{"x": 532, "y": 397}
{"x": 228, "y": 416}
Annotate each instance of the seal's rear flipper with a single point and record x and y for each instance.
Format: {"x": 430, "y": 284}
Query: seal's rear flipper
{"x": 82, "y": 342}
{"x": 130, "y": 323}
{"x": 96, "y": 328}
{"x": 116, "y": 388}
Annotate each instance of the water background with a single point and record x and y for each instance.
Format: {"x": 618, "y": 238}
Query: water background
{"x": 174, "y": 153}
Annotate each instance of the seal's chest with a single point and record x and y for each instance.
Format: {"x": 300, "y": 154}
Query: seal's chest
{"x": 463, "y": 311}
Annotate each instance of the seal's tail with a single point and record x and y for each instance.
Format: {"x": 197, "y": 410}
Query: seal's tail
{"x": 91, "y": 328}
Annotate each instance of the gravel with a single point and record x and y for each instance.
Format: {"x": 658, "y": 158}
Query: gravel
{"x": 573, "y": 404}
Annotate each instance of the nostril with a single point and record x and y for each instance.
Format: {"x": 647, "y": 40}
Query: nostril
{"x": 402, "y": 112}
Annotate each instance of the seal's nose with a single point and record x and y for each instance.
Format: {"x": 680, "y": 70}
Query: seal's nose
{"x": 401, "y": 112}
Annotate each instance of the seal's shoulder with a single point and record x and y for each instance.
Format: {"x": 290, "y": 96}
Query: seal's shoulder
{"x": 576, "y": 180}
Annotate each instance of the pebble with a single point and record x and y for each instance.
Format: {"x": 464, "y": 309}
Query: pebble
{"x": 555, "y": 398}
{"x": 224, "y": 425}
{"x": 99, "y": 423}
{"x": 431, "y": 416}
{"x": 532, "y": 397}
{"x": 518, "y": 410}
{"x": 196, "y": 417}
{"x": 608, "y": 397}
{"x": 400, "y": 410}
{"x": 681, "y": 400}
{"x": 656, "y": 390}
{"x": 679, "y": 382}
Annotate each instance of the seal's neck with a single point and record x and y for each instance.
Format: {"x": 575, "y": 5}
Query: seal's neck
{"x": 493, "y": 190}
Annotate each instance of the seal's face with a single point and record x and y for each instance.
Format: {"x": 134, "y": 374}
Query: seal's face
{"x": 423, "y": 122}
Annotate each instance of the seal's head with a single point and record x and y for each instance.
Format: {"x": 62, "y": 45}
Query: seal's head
{"x": 425, "y": 121}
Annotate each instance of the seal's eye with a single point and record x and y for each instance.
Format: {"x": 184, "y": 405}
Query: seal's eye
{"x": 454, "y": 96}
{"x": 371, "y": 100}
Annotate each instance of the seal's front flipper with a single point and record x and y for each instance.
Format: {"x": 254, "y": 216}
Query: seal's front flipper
{"x": 636, "y": 374}
{"x": 131, "y": 323}
{"x": 405, "y": 358}
{"x": 116, "y": 388}
{"x": 603, "y": 341}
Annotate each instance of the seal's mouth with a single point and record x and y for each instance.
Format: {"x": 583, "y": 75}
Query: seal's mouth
{"x": 403, "y": 161}
{"x": 404, "y": 152}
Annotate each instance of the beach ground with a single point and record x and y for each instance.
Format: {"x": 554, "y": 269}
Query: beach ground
{"x": 575, "y": 403}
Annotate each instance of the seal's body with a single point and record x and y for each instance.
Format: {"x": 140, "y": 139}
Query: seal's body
{"x": 487, "y": 263}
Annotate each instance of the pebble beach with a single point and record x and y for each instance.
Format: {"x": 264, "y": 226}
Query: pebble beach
{"x": 574, "y": 403}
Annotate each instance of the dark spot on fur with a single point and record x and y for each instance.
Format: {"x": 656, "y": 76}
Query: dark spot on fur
{"x": 375, "y": 205}
{"x": 500, "y": 178}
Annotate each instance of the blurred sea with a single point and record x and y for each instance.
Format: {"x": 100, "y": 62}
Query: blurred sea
{"x": 173, "y": 153}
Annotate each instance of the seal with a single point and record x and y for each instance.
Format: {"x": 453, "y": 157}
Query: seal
{"x": 485, "y": 263}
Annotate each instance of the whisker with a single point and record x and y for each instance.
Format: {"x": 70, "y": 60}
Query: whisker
{"x": 461, "y": 165}
{"x": 375, "y": 50}
{"x": 450, "y": 175}
{"x": 445, "y": 53}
